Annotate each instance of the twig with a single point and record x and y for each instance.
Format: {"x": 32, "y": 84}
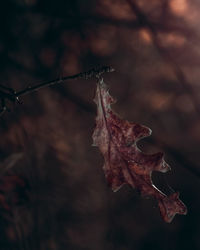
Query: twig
{"x": 85, "y": 75}
{"x": 13, "y": 96}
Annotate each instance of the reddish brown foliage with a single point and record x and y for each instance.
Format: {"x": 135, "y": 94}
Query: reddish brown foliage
{"x": 124, "y": 162}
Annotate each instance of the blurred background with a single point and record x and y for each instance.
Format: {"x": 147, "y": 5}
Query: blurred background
{"x": 53, "y": 193}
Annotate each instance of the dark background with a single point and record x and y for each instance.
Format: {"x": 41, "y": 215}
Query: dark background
{"x": 66, "y": 203}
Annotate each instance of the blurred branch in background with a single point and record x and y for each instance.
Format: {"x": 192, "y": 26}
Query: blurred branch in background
{"x": 145, "y": 22}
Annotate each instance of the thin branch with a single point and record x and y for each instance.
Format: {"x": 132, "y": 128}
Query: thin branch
{"x": 85, "y": 75}
{"x": 13, "y": 96}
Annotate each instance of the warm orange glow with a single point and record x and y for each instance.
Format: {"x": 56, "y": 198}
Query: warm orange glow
{"x": 172, "y": 40}
{"x": 160, "y": 101}
{"x": 117, "y": 8}
{"x": 103, "y": 42}
{"x": 145, "y": 36}
{"x": 179, "y": 7}
{"x": 101, "y": 47}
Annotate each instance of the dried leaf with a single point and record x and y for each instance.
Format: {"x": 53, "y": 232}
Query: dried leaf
{"x": 124, "y": 162}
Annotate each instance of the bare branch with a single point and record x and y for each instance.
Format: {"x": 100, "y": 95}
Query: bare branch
{"x": 85, "y": 75}
{"x": 8, "y": 94}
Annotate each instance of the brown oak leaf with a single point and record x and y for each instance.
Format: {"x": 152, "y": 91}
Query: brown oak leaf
{"x": 124, "y": 162}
